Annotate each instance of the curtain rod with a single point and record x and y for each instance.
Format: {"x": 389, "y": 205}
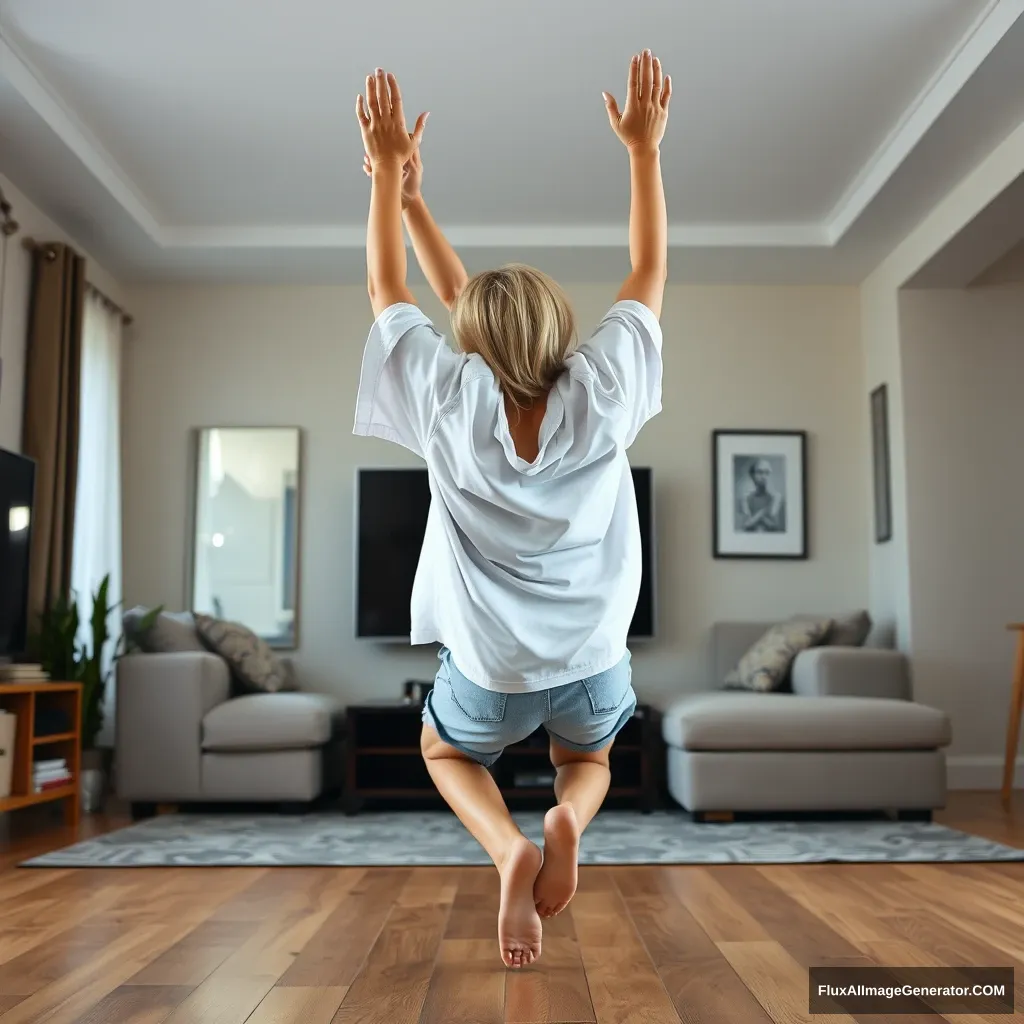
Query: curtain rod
{"x": 126, "y": 318}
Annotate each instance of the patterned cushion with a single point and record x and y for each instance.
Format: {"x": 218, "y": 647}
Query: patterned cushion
{"x": 765, "y": 667}
{"x": 253, "y": 664}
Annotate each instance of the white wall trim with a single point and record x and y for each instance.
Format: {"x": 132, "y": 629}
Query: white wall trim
{"x": 982, "y": 36}
{"x": 981, "y": 772}
{"x": 994, "y": 21}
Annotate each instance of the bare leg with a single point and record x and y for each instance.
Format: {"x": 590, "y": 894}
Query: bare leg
{"x": 581, "y": 784}
{"x": 473, "y": 796}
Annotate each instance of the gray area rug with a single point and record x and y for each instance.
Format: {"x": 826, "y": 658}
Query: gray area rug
{"x": 437, "y": 838}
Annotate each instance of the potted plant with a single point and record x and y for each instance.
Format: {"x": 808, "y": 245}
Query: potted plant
{"x": 67, "y": 658}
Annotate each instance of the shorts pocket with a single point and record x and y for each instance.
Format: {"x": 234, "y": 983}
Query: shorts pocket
{"x": 476, "y": 703}
{"x": 608, "y": 690}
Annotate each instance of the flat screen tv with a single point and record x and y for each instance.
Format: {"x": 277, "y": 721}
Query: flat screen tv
{"x": 391, "y": 518}
{"x": 17, "y": 491}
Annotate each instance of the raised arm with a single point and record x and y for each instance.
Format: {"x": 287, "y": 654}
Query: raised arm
{"x": 641, "y": 127}
{"x": 440, "y": 264}
{"x": 387, "y": 142}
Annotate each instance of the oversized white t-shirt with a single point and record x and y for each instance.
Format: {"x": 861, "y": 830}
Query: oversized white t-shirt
{"x": 529, "y": 572}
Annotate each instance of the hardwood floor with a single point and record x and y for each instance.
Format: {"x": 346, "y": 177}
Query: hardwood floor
{"x": 641, "y": 945}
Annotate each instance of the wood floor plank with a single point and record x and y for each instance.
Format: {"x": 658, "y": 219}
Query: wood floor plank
{"x": 712, "y": 905}
{"x": 468, "y": 984}
{"x": 192, "y": 960}
{"x": 802, "y": 934}
{"x": 334, "y": 955}
{"x": 625, "y": 987}
{"x": 777, "y": 981}
{"x": 670, "y": 933}
{"x": 222, "y": 1000}
{"x": 135, "y": 1004}
{"x": 701, "y": 983}
{"x": 842, "y": 908}
{"x": 64, "y": 1000}
{"x": 298, "y": 1006}
{"x": 554, "y": 990}
{"x": 392, "y": 986}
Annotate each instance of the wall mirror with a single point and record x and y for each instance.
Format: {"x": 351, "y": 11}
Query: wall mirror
{"x": 245, "y": 564}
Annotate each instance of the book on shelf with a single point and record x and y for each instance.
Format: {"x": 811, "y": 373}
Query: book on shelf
{"x": 53, "y": 762}
{"x": 58, "y": 783}
{"x": 15, "y": 673}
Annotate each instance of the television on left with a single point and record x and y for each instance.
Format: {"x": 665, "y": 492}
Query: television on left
{"x": 17, "y": 505}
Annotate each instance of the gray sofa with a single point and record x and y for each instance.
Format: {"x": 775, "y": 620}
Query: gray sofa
{"x": 847, "y": 738}
{"x": 182, "y": 737}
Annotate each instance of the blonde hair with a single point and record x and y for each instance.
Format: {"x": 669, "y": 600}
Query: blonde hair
{"x": 520, "y": 321}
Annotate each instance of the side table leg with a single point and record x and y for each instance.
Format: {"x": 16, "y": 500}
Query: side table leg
{"x": 1013, "y": 726}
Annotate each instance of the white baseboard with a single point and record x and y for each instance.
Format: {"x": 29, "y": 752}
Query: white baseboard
{"x": 981, "y": 772}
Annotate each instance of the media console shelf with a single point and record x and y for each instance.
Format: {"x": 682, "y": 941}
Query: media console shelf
{"x": 27, "y": 702}
{"x": 384, "y": 765}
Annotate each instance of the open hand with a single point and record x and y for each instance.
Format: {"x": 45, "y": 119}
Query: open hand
{"x": 642, "y": 124}
{"x": 412, "y": 169}
{"x": 382, "y": 121}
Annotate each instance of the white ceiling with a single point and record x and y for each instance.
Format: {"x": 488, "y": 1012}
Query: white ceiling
{"x": 216, "y": 139}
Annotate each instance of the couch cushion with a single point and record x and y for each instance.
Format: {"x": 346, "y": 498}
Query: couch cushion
{"x": 255, "y": 667}
{"x": 766, "y": 665}
{"x": 781, "y": 721}
{"x": 849, "y": 630}
{"x": 170, "y": 633}
{"x": 272, "y": 721}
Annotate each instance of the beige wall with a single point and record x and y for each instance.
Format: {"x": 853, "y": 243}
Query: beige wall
{"x": 963, "y": 363}
{"x": 735, "y": 357}
{"x": 14, "y": 326}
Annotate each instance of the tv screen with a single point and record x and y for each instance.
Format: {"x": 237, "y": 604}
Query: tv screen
{"x": 391, "y": 518}
{"x": 17, "y": 489}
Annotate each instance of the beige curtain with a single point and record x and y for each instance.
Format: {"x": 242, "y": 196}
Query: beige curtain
{"x": 50, "y": 426}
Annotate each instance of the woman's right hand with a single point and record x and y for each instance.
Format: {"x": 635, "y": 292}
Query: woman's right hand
{"x": 642, "y": 124}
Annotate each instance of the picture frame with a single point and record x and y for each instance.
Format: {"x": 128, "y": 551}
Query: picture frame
{"x": 880, "y": 463}
{"x": 759, "y": 489}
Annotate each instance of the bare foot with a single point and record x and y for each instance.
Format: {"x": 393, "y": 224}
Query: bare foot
{"x": 519, "y": 927}
{"x": 556, "y": 883}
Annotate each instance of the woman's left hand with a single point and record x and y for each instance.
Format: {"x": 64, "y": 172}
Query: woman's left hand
{"x": 382, "y": 121}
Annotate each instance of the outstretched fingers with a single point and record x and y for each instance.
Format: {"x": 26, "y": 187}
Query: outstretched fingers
{"x": 656, "y": 91}
{"x": 361, "y": 113}
{"x": 666, "y": 92}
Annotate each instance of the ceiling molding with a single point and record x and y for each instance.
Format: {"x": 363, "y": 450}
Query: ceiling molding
{"x": 545, "y": 236}
{"x": 67, "y": 126}
{"x": 977, "y": 43}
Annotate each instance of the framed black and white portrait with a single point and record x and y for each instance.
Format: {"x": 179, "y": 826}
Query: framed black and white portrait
{"x": 760, "y": 493}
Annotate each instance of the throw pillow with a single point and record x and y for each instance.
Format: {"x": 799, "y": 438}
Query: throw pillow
{"x": 253, "y": 664}
{"x": 765, "y": 667}
{"x": 170, "y": 633}
{"x": 850, "y": 630}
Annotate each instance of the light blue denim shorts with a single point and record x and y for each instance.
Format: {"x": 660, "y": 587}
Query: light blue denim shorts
{"x": 584, "y": 716}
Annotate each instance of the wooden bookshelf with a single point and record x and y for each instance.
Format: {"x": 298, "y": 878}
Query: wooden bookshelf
{"x": 24, "y": 701}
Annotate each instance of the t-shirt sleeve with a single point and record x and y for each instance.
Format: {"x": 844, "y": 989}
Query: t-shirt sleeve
{"x": 407, "y": 376}
{"x": 624, "y": 357}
